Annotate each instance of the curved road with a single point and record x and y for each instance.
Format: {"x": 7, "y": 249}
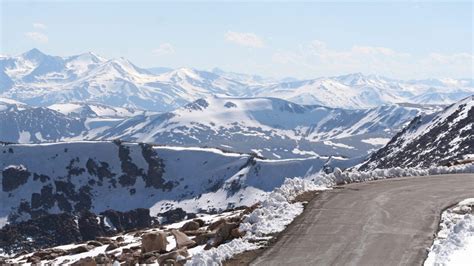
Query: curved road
{"x": 386, "y": 222}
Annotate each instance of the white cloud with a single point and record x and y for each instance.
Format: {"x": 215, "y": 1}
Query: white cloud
{"x": 39, "y": 26}
{"x": 163, "y": 49}
{"x": 37, "y": 36}
{"x": 316, "y": 58}
{"x": 247, "y": 39}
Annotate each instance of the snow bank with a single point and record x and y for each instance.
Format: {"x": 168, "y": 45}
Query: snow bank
{"x": 274, "y": 214}
{"x": 223, "y": 252}
{"x": 340, "y": 177}
{"x": 454, "y": 243}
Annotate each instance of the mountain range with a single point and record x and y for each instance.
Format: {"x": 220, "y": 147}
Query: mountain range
{"x": 42, "y": 80}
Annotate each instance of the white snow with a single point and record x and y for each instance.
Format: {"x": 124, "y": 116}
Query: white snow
{"x": 24, "y": 137}
{"x": 454, "y": 243}
{"x": 376, "y": 141}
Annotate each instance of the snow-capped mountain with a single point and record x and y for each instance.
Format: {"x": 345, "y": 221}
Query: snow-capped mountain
{"x": 433, "y": 139}
{"x": 97, "y": 176}
{"x": 269, "y": 127}
{"x": 360, "y": 91}
{"x": 22, "y": 123}
{"x": 39, "y": 79}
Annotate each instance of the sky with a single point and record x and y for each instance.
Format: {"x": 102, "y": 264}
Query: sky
{"x": 407, "y": 40}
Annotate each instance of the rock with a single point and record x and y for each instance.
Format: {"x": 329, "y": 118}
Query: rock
{"x": 129, "y": 220}
{"x": 224, "y": 233}
{"x": 120, "y": 239}
{"x": 112, "y": 246}
{"x": 173, "y": 256}
{"x": 200, "y": 231}
{"x": 79, "y": 249}
{"x": 216, "y": 224}
{"x": 204, "y": 238}
{"x": 200, "y": 222}
{"x": 49, "y": 254}
{"x": 154, "y": 241}
{"x": 148, "y": 258}
{"x": 34, "y": 260}
{"x": 85, "y": 262}
{"x": 104, "y": 240}
{"x": 182, "y": 240}
{"x": 190, "y": 226}
{"x": 173, "y": 216}
{"x": 94, "y": 243}
{"x": 89, "y": 226}
{"x": 236, "y": 233}
{"x": 102, "y": 259}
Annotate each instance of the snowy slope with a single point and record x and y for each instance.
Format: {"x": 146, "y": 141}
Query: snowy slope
{"x": 436, "y": 139}
{"x": 39, "y": 79}
{"x": 75, "y": 176}
{"x": 269, "y": 127}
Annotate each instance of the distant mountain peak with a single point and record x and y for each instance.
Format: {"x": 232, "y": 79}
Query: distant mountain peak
{"x": 33, "y": 54}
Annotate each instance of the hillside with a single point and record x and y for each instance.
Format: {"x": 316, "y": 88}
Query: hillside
{"x": 428, "y": 140}
{"x": 96, "y": 176}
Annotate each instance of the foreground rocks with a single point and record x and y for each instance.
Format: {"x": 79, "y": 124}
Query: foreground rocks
{"x": 149, "y": 246}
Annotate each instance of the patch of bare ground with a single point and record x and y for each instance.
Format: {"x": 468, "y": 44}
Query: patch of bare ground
{"x": 245, "y": 258}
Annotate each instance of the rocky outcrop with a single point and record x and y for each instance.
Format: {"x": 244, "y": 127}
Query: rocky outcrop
{"x": 154, "y": 241}
{"x": 14, "y": 176}
{"x": 182, "y": 240}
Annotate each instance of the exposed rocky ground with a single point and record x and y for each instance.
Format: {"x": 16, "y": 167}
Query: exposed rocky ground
{"x": 169, "y": 244}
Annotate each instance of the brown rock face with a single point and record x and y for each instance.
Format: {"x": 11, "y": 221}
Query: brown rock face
{"x": 182, "y": 240}
{"x": 190, "y": 226}
{"x": 155, "y": 241}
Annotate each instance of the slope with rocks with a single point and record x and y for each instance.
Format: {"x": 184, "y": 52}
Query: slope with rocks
{"x": 95, "y": 176}
{"x": 434, "y": 139}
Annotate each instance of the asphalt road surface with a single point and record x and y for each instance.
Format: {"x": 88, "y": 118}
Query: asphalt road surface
{"x": 386, "y": 222}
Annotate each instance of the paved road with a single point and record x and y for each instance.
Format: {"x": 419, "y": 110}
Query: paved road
{"x": 386, "y": 222}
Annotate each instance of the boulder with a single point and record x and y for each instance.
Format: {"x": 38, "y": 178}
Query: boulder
{"x": 112, "y": 246}
{"x": 49, "y": 254}
{"x": 94, "y": 243}
{"x": 154, "y": 241}
{"x": 236, "y": 233}
{"x": 102, "y": 259}
{"x": 224, "y": 233}
{"x": 190, "y": 226}
{"x": 204, "y": 238}
{"x": 104, "y": 240}
{"x": 182, "y": 240}
{"x": 213, "y": 226}
{"x": 200, "y": 222}
{"x": 177, "y": 257}
{"x": 80, "y": 249}
{"x": 85, "y": 262}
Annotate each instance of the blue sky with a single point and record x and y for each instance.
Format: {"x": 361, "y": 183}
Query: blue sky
{"x": 279, "y": 39}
